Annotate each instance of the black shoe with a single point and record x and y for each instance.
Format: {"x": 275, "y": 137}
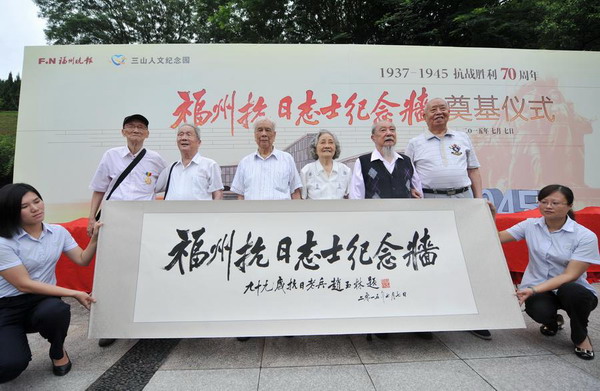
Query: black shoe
{"x": 585, "y": 354}
{"x": 243, "y": 339}
{"x": 426, "y": 335}
{"x": 104, "y": 342}
{"x": 550, "y": 330}
{"x": 61, "y": 370}
{"x": 483, "y": 334}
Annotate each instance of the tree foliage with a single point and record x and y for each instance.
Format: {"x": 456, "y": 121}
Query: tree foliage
{"x": 8, "y": 128}
{"x": 119, "y": 21}
{"x": 9, "y": 93}
{"x": 544, "y": 24}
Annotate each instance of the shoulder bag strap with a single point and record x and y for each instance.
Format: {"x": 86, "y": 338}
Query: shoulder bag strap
{"x": 169, "y": 180}
{"x": 126, "y": 172}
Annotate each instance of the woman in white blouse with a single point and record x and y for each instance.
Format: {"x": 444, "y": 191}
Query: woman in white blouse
{"x": 325, "y": 178}
{"x": 560, "y": 252}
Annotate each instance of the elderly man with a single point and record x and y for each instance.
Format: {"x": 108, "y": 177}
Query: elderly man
{"x": 192, "y": 177}
{"x": 444, "y": 158}
{"x": 384, "y": 173}
{"x": 446, "y": 162}
{"x": 268, "y": 173}
{"x": 137, "y": 184}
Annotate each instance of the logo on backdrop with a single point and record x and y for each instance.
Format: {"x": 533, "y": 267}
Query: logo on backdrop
{"x": 64, "y": 60}
{"x": 118, "y": 59}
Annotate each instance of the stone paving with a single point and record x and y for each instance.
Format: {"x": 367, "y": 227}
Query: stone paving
{"x": 520, "y": 359}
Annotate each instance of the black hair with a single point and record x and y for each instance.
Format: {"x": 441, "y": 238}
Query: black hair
{"x": 10, "y": 207}
{"x": 564, "y": 190}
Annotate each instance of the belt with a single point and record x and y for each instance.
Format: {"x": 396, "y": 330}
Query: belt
{"x": 446, "y": 191}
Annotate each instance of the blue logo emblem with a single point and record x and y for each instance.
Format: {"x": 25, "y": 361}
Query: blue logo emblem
{"x": 118, "y": 59}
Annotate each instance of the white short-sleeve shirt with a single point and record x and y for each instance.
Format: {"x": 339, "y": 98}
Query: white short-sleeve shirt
{"x": 442, "y": 162}
{"x": 39, "y": 256}
{"x": 197, "y": 181}
{"x": 317, "y": 185}
{"x": 139, "y": 185}
{"x": 550, "y": 252}
{"x": 272, "y": 178}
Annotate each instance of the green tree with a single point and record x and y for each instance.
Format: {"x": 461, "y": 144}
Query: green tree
{"x": 569, "y": 24}
{"x": 9, "y": 93}
{"x": 8, "y": 129}
{"x": 119, "y": 21}
{"x": 508, "y": 24}
{"x": 337, "y": 21}
{"x": 246, "y": 21}
{"x": 552, "y": 24}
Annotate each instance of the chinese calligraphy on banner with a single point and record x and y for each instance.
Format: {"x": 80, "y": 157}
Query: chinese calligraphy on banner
{"x": 320, "y": 267}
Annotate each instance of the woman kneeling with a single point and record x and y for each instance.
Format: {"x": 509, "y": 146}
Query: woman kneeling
{"x": 29, "y": 298}
{"x": 560, "y": 251}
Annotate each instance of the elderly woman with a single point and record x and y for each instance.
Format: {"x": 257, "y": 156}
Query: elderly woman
{"x": 325, "y": 178}
{"x": 560, "y": 251}
{"x": 29, "y": 298}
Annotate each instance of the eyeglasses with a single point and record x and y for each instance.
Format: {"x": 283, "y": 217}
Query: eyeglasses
{"x": 138, "y": 126}
{"x": 554, "y": 204}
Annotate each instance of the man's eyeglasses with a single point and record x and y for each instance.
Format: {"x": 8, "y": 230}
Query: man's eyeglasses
{"x": 134, "y": 126}
{"x": 553, "y": 204}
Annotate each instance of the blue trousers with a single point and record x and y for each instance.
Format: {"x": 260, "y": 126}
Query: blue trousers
{"x": 28, "y": 313}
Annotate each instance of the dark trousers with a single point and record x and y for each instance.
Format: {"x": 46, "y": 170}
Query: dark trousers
{"x": 47, "y": 315}
{"x": 575, "y": 299}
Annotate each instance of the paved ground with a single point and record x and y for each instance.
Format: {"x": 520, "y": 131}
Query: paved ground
{"x": 512, "y": 360}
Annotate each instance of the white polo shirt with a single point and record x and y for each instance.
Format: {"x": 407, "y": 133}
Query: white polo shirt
{"x": 272, "y": 178}
{"x": 197, "y": 181}
{"x": 317, "y": 185}
{"x": 138, "y": 185}
{"x": 442, "y": 162}
{"x": 550, "y": 252}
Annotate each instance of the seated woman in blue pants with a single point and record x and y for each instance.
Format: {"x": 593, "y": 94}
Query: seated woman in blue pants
{"x": 560, "y": 251}
{"x": 29, "y": 298}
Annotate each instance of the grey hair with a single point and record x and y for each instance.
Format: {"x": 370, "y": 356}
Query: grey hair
{"x": 263, "y": 119}
{"x": 196, "y": 129}
{"x": 374, "y": 126}
{"x": 315, "y": 141}
{"x": 428, "y": 104}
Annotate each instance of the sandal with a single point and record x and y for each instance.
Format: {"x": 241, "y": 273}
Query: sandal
{"x": 585, "y": 354}
{"x": 550, "y": 331}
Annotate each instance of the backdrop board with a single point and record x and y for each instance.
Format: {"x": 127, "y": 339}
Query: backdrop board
{"x": 531, "y": 114}
{"x": 258, "y": 268}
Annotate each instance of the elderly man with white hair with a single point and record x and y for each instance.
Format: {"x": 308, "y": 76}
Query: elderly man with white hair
{"x": 446, "y": 162}
{"x": 384, "y": 173}
{"x": 193, "y": 177}
{"x": 444, "y": 158}
{"x": 268, "y": 173}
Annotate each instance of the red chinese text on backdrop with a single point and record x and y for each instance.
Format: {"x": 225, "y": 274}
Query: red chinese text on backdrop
{"x": 309, "y": 111}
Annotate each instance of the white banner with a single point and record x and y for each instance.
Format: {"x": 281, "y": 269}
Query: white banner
{"x": 173, "y": 269}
